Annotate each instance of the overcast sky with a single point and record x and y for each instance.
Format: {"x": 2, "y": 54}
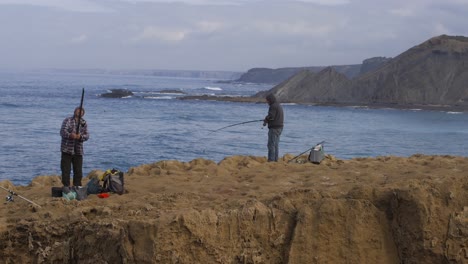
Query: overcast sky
{"x": 233, "y": 35}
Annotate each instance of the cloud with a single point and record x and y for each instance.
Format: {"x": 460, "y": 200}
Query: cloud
{"x": 160, "y": 34}
{"x": 440, "y": 29}
{"x": 241, "y": 2}
{"x": 403, "y": 12}
{"x": 209, "y": 26}
{"x": 326, "y": 2}
{"x": 219, "y": 32}
{"x": 79, "y": 39}
{"x": 293, "y": 28}
{"x": 195, "y": 2}
{"x": 69, "y": 5}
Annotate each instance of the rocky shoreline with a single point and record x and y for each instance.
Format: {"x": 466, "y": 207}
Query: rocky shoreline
{"x": 255, "y": 99}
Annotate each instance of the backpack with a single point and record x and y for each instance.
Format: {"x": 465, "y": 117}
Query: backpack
{"x": 113, "y": 181}
{"x": 94, "y": 186}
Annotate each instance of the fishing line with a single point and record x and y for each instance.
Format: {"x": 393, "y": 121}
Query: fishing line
{"x": 228, "y": 126}
{"x": 237, "y": 124}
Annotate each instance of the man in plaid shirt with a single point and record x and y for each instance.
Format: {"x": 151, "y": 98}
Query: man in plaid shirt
{"x": 72, "y": 147}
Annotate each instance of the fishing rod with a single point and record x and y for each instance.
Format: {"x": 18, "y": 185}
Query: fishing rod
{"x": 10, "y": 197}
{"x": 320, "y": 143}
{"x": 236, "y": 124}
{"x": 246, "y": 122}
{"x": 81, "y": 110}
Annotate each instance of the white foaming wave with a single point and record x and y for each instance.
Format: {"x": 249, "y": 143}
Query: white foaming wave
{"x": 167, "y": 93}
{"x": 454, "y": 113}
{"x": 159, "y": 97}
{"x": 212, "y": 88}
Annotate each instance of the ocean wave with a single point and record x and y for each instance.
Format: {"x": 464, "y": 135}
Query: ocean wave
{"x": 212, "y": 88}
{"x": 160, "y": 93}
{"x": 159, "y": 97}
{"x": 454, "y": 113}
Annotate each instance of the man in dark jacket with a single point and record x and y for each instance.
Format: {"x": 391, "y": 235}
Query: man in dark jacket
{"x": 274, "y": 119}
{"x": 72, "y": 147}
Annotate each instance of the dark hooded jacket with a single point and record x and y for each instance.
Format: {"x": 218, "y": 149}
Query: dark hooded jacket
{"x": 275, "y": 115}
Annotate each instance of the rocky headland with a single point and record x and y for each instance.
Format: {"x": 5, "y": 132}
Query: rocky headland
{"x": 432, "y": 75}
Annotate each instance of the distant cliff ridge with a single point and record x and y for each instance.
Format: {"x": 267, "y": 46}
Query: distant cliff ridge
{"x": 275, "y": 76}
{"x": 432, "y": 73}
{"x": 372, "y": 64}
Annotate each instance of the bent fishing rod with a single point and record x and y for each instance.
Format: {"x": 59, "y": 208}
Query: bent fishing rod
{"x": 320, "y": 143}
{"x": 10, "y": 197}
{"x": 237, "y": 124}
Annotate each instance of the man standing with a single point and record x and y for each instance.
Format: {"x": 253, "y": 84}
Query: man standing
{"x": 74, "y": 132}
{"x": 274, "y": 119}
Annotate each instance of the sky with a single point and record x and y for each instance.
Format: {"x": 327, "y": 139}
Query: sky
{"x": 227, "y": 35}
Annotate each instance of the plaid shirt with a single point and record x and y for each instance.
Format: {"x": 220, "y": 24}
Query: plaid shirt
{"x": 72, "y": 146}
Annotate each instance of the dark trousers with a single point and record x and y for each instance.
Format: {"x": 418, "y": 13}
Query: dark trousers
{"x": 66, "y": 163}
{"x": 273, "y": 143}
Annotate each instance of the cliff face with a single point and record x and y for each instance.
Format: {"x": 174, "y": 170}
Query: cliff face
{"x": 435, "y": 72}
{"x": 246, "y": 210}
{"x": 276, "y": 76}
{"x": 432, "y": 73}
{"x": 265, "y": 75}
{"x": 372, "y": 64}
{"x": 306, "y": 86}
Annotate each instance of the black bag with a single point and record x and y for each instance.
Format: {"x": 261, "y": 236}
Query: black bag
{"x": 56, "y": 191}
{"x": 113, "y": 181}
{"x": 94, "y": 186}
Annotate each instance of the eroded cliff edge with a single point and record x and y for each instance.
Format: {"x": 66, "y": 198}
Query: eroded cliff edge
{"x": 245, "y": 210}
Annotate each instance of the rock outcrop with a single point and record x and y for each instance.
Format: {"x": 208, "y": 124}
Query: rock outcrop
{"x": 117, "y": 93}
{"x": 434, "y": 73}
{"x": 306, "y": 86}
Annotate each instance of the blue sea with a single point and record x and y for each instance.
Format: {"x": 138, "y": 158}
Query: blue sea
{"x": 153, "y": 125}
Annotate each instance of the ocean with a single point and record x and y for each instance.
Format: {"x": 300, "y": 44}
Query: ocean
{"x": 153, "y": 125}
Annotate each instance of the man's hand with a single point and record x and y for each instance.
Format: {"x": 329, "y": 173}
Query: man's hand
{"x": 75, "y": 136}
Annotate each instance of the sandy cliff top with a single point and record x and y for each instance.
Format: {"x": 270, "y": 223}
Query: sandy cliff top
{"x": 246, "y": 210}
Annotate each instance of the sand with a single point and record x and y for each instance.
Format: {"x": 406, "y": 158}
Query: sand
{"x": 246, "y": 210}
